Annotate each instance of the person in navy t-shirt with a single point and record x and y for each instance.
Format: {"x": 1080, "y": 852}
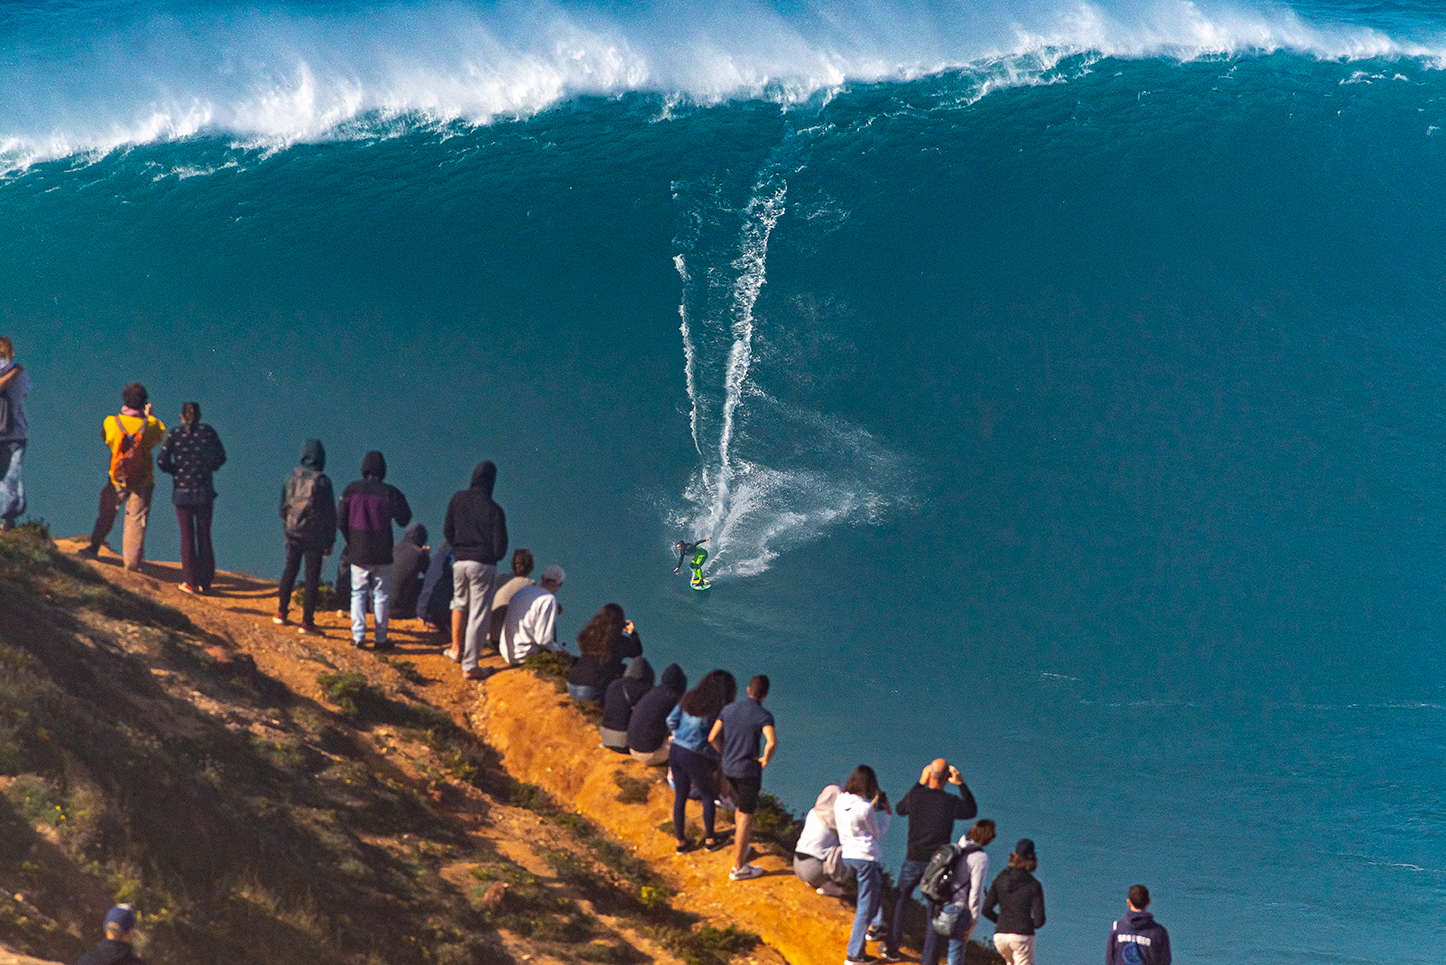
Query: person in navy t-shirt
{"x": 736, "y": 736}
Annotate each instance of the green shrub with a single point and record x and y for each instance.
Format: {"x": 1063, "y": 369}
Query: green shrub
{"x": 631, "y": 790}
{"x": 351, "y": 693}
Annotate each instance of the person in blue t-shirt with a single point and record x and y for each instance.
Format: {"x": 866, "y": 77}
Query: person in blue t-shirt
{"x": 736, "y": 736}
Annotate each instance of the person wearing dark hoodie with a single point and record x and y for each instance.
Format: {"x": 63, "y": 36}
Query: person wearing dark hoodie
{"x": 410, "y": 561}
{"x": 621, "y": 696}
{"x": 1137, "y": 939}
{"x": 1019, "y": 900}
{"x": 477, "y": 529}
{"x": 117, "y": 949}
{"x": 435, "y": 600}
{"x": 308, "y": 519}
{"x": 368, "y": 508}
{"x": 191, "y": 453}
{"x": 648, "y": 735}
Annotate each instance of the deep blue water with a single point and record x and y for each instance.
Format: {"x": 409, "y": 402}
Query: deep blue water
{"x": 1062, "y": 385}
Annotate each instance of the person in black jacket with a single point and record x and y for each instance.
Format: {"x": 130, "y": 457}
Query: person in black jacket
{"x": 308, "y": 518}
{"x": 621, "y": 696}
{"x": 191, "y": 453}
{"x": 608, "y": 639}
{"x": 648, "y": 737}
{"x": 1020, "y": 902}
{"x": 410, "y": 561}
{"x": 368, "y": 508}
{"x": 931, "y": 811}
{"x": 476, "y": 528}
{"x": 120, "y": 927}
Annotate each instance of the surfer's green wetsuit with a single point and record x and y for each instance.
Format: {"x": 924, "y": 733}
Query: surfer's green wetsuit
{"x": 699, "y": 555}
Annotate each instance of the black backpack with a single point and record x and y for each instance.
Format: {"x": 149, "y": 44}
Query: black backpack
{"x": 937, "y": 885}
{"x": 301, "y": 504}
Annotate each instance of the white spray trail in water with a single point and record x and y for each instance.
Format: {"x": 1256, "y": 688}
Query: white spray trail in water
{"x": 771, "y": 475}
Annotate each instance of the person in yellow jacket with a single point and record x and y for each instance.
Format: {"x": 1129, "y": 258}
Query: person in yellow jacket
{"x": 132, "y": 493}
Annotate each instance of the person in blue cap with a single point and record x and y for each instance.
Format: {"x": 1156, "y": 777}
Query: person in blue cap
{"x": 120, "y": 928}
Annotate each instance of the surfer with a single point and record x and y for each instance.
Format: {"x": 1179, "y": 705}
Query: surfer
{"x": 698, "y": 553}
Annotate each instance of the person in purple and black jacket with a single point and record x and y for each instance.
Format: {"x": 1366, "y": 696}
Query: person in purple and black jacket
{"x": 368, "y": 508}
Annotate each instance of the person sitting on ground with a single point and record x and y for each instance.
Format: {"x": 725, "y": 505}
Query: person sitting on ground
{"x": 648, "y": 737}
{"x": 862, "y": 813}
{"x": 531, "y": 624}
{"x": 130, "y": 436}
{"x": 191, "y": 453}
{"x": 737, "y": 734}
{"x": 966, "y": 885}
{"x": 507, "y": 585}
{"x": 931, "y": 811}
{"x": 410, "y": 560}
{"x": 692, "y": 760}
{"x": 365, "y": 515}
{"x": 608, "y": 639}
{"x": 618, "y": 702}
{"x": 14, "y": 432}
{"x": 1137, "y": 939}
{"x": 434, "y": 603}
{"x": 477, "y": 529}
{"x": 120, "y": 933}
{"x": 817, "y": 852}
{"x": 308, "y": 521}
{"x": 1019, "y": 898}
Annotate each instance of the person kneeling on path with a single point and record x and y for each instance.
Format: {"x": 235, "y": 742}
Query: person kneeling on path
{"x": 130, "y": 436}
{"x": 368, "y": 508}
{"x": 308, "y": 519}
{"x": 648, "y": 737}
{"x": 120, "y": 928}
{"x": 476, "y": 529}
{"x": 736, "y": 735}
{"x": 1137, "y": 939}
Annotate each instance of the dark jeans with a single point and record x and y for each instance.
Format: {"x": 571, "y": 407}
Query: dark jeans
{"x": 294, "y": 555}
{"x": 690, "y": 768}
{"x": 198, "y": 559}
{"x": 909, "y": 875}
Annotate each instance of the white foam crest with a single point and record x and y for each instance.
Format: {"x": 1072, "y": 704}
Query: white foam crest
{"x": 283, "y": 76}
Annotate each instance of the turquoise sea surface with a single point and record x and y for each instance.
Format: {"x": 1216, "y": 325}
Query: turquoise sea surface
{"x": 1062, "y": 384}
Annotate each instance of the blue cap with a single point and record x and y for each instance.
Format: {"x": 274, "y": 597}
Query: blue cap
{"x": 123, "y": 917}
{"x": 1025, "y": 848}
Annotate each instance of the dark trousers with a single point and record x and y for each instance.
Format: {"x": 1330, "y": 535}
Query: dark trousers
{"x": 198, "y": 559}
{"x": 689, "y": 769}
{"x": 294, "y": 555}
{"x": 910, "y": 873}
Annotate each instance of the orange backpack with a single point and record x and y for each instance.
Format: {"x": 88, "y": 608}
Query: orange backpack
{"x": 128, "y": 462}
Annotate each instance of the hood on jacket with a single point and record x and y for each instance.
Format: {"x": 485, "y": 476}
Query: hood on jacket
{"x": 1140, "y": 920}
{"x": 674, "y": 679}
{"x": 823, "y": 807}
{"x": 416, "y": 534}
{"x": 484, "y": 476}
{"x": 374, "y": 466}
{"x": 313, "y": 455}
{"x": 640, "y": 669}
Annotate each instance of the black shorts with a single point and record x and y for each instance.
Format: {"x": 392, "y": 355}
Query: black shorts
{"x": 745, "y": 792}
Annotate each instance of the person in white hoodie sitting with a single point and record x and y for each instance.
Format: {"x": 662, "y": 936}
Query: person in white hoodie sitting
{"x": 862, "y": 814}
{"x": 531, "y": 623}
{"x": 818, "y": 848}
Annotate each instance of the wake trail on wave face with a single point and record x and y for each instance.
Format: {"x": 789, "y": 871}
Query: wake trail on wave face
{"x": 771, "y": 475}
{"x": 279, "y": 75}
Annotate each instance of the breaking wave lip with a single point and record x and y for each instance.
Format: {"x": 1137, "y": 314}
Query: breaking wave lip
{"x": 270, "y": 81}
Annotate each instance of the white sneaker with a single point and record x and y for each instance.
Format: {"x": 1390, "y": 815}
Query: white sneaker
{"x": 831, "y": 890}
{"x": 745, "y": 872}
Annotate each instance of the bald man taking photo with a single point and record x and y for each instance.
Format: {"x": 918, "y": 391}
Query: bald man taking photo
{"x": 932, "y": 811}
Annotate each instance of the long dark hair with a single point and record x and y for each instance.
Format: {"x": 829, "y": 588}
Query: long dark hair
{"x": 190, "y": 416}
{"x": 863, "y": 782}
{"x": 596, "y": 639}
{"x": 713, "y": 693}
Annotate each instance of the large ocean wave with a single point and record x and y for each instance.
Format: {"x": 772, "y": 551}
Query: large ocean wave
{"x": 77, "y": 78}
